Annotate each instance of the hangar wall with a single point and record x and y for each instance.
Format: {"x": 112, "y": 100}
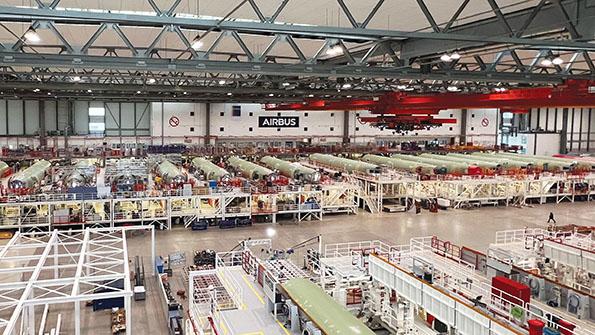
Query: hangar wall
{"x": 143, "y": 122}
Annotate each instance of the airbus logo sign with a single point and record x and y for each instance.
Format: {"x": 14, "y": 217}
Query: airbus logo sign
{"x": 278, "y": 121}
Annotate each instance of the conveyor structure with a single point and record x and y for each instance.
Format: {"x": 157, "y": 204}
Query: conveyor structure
{"x": 31, "y": 176}
{"x": 292, "y": 170}
{"x": 348, "y": 165}
{"x": 210, "y": 170}
{"x": 251, "y": 170}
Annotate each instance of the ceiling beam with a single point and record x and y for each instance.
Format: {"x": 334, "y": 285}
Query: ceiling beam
{"x": 275, "y": 69}
{"x": 547, "y": 19}
{"x": 74, "y": 17}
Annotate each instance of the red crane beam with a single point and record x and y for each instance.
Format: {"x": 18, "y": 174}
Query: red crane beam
{"x": 404, "y": 112}
{"x": 574, "y": 93}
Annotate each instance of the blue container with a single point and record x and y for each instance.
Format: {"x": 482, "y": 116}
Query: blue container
{"x": 109, "y": 303}
{"x": 213, "y": 184}
{"x": 550, "y": 331}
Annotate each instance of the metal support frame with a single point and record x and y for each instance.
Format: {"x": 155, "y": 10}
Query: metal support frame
{"x": 79, "y": 262}
{"x": 372, "y": 59}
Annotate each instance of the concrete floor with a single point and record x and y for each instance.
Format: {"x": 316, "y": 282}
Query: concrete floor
{"x": 473, "y": 228}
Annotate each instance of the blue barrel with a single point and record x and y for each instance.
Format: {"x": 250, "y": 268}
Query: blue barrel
{"x": 212, "y": 184}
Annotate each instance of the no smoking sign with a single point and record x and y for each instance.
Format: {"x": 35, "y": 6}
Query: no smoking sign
{"x": 485, "y": 122}
{"x": 174, "y": 121}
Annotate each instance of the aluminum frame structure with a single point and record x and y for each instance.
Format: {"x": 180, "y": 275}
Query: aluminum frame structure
{"x": 505, "y": 48}
{"x": 73, "y": 267}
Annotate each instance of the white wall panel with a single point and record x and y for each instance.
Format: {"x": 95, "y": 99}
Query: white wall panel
{"x": 51, "y": 121}
{"x": 62, "y": 115}
{"x": 81, "y": 117}
{"x": 31, "y": 117}
{"x": 3, "y": 125}
{"x": 142, "y": 118}
{"x": 15, "y": 117}
{"x": 127, "y": 119}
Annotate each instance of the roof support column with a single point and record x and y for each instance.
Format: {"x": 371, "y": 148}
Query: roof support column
{"x": 42, "y": 130}
{"x": 207, "y": 123}
{"x": 564, "y": 132}
{"x": 463, "y": 137}
{"x": 345, "y": 127}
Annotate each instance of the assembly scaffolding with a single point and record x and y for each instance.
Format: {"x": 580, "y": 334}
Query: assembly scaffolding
{"x": 64, "y": 267}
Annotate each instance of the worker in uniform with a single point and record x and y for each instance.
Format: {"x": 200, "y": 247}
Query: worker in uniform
{"x": 551, "y": 218}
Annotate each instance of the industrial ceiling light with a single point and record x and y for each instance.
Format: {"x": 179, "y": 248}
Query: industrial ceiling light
{"x": 138, "y": 92}
{"x": 335, "y": 50}
{"x": 558, "y": 61}
{"x": 196, "y": 43}
{"x": 151, "y": 81}
{"x": 76, "y": 78}
{"x": 546, "y": 62}
{"x": 36, "y": 90}
{"x": 346, "y": 86}
{"x": 310, "y": 95}
{"x": 185, "y": 93}
{"x": 285, "y": 84}
{"x": 49, "y": 93}
{"x": 229, "y": 94}
{"x": 271, "y": 95}
{"x": 222, "y": 82}
{"x": 452, "y": 88}
{"x": 401, "y": 87}
{"x": 455, "y": 55}
{"x": 89, "y": 91}
{"x": 32, "y": 36}
{"x": 445, "y": 58}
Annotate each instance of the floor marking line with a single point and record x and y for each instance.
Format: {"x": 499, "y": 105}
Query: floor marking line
{"x": 252, "y": 289}
{"x": 283, "y": 327}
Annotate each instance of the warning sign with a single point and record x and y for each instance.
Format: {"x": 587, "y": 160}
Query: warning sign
{"x": 485, "y": 122}
{"x": 174, "y": 121}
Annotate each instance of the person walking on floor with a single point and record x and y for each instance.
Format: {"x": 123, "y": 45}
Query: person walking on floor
{"x": 551, "y": 218}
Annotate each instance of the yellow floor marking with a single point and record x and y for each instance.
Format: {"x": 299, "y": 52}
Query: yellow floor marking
{"x": 252, "y": 289}
{"x": 283, "y": 327}
{"x": 242, "y": 304}
{"x": 224, "y": 327}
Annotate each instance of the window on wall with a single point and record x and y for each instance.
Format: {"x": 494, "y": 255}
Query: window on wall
{"x": 332, "y": 128}
{"x": 191, "y": 129}
{"x": 251, "y": 114}
{"x": 96, "y": 120}
{"x": 221, "y": 129}
{"x": 236, "y": 111}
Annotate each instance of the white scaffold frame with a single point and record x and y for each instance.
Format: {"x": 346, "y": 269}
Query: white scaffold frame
{"x": 71, "y": 268}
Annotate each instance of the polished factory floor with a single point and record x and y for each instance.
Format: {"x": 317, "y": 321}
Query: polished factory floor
{"x": 473, "y": 228}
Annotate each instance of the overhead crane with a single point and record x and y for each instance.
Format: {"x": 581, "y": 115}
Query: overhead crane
{"x": 403, "y": 112}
